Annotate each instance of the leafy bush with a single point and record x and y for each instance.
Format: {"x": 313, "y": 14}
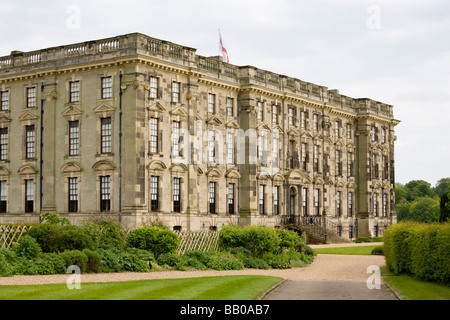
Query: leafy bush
{"x": 289, "y": 238}
{"x": 110, "y": 260}
{"x": 377, "y": 251}
{"x": 277, "y": 261}
{"x": 133, "y": 263}
{"x": 202, "y": 257}
{"x": 231, "y": 237}
{"x": 55, "y": 238}
{"x": 255, "y": 239}
{"x": 5, "y": 269}
{"x": 27, "y": 247}
{"x": 193, "y": 263}
{"x": 94, "y": 260}
{"x": 54, "y": 219}
{"x": 422, "y": 250}
{"x": 50, "y": 263}
{"x": 225, "y": 261}
{"x": 106, "y": 234}
{"x": 255, "y": 263}
{"x": 169, "y": 259}
{"x": 74, "y": 238}
{"x": 75, "y": 258}
{"x": 154, "y": 239}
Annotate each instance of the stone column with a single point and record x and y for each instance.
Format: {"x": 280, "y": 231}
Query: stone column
{"x": 134, "y": 182}
{"x": 48, "y": 145}
{"x": 247, "y": 159}
{"x": 362, "y": 161}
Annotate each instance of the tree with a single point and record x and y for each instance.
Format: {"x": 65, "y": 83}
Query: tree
{"x": 401, "y": 193}
{"x": 417, "y": 189}
{"x": 442, "y": 187}
{"x": 425, "y": 209}
{"x": 445, "y": 207}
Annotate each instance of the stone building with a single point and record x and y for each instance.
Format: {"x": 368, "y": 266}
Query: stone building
{"x": 141, "y": 129}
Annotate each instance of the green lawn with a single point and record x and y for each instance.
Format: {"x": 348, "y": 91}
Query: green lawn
{"x": 208, "y": 288}
{"x": 360, "y": 250}
{"x": 411, "y": 289}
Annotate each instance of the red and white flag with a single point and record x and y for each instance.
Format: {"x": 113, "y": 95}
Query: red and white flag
{"x": 223, "y": 51}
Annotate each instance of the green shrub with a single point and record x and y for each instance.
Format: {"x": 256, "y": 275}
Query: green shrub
{"x": 289, "y": 239}
{"x": 377, "y": 251}
{"x": 74, "y": 238}
{"x": 5, "y": 269}
{"x": 54, "y": 219}
{"x": 231, "y": 237}
{"x": 154, "y": 239}
{"x": 203, "y": 257}
{"x": 55, "y": 238}
{"x": 50, "y": 263}
{"x": 169, "y": 259}
{"x": 94, "y": 260}
{"x": 421, "y": 250}
{"x": 27, "y": 247}
{"x": 193, "y": 263}
{"x": 48, "y": 236}
{"x": 106, "y": 234}
{"x": 225, "y": 261}
{"x": 75, "y": 258}
{"x": 260, "y": 240}
{"x": 277, "y": 261}
{"x": 255, "y": 263}
{"x": 240, "y": 252}
{"x": 133, "y": 263}
{"x": 110, "y": 260}
{"x": 397, "y": 247}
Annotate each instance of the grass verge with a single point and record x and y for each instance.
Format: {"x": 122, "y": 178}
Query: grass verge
{"x": 359, "y": 250}
{"x": 411, "y": 289}
{"x": 208, "y": 288}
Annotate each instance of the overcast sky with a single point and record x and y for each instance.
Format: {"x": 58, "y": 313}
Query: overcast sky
{"x": 393, "y": 51}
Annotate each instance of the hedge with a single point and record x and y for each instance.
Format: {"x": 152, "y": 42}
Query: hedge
{"x": 420, "y": 250}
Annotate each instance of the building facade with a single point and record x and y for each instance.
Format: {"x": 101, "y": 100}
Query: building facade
{"x": 144, "y": 130}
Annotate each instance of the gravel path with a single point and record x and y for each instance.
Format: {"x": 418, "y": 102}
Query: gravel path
{"x": 324, "y": 268}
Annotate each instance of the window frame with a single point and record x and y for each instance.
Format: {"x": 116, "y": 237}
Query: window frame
{"x": 154, "y": 193}
{"x": 176, "y": 193}
{"x": 212, "y": 193}
{"x": 154, "y": 88}
{"x": 4, "y": 100}
{"x": 106, "y": 135}
{"x": 74, "y": 138}
{"x": 231, "y": 199}
{"x": 211, "y": 103}
{"x": 29, "y": 196}
{"x": 73, "y": 194}
{"x": 105, "y": 193}
{"x": 154, "y": 135}
{"x": 107, "y": 87}
{"x": 4, "y": 144}
{"x": 74, "y": 91}
{"x": 30, "y": 142}
{"x": 31, "y": 95}
{"x": 176, "y": 87}
{"x": 3, "y": 196}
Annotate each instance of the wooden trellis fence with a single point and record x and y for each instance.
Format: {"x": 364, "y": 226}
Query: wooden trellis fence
{"x": 197, "y": 240}
{"x": 10, "y": 234}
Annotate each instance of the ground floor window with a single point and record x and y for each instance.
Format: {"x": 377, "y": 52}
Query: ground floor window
{"x": 212, "y": 198}
{"x": 3, "y": 197}
{"x": 154, "y": 194}
{"x": 29, "y": 196}
{"x": 73, "y": 194}
{"x": 176, "y": 195}
{"x": 105, "y": 194}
